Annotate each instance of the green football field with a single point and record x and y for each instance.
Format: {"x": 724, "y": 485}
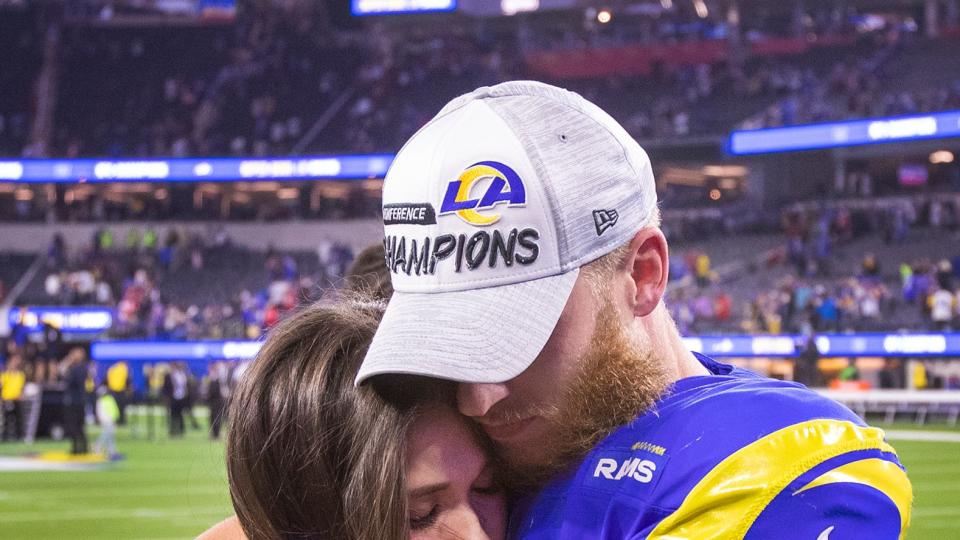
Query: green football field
{"x": 177, "y": 488}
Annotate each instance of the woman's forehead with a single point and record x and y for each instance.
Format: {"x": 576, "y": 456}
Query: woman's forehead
{"x": 441, "y": 448}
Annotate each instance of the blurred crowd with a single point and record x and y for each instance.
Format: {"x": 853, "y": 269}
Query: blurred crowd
{"x": 187, "y": 286}
{"x": 35, "y": 378}
{"x": 925, "y": 297}
{"x": 172, "y": 285}
{"x": 852, "y": 94}
{"x": 244, "y": 89}
{"x": 831, "y": 286}
{"x": 282, "y": 80}
{"x": 674, "y": 22}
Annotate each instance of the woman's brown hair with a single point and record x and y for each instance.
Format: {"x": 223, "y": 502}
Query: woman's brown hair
{"x": 309, "y": 455}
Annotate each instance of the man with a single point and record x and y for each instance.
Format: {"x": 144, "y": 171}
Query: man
{"x": 12, "y": 381}
{"x": 217, "y": 392}
{"x": 807, "y": 370}
{"x": 108, "y": 416}
{"x": 941, "y": 309}
{"x": 175, "y": 394}
{"x": 523, "y": 241}
{"x": 118, "y": 383}
{"x": 74, "y": 399}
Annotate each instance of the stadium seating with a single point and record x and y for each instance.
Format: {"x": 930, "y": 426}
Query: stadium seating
{"x": 259, "y": 86}
{"x": 20, "y": 48}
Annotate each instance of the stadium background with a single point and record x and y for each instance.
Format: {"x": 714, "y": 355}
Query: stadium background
{"x": 175, "y": 175}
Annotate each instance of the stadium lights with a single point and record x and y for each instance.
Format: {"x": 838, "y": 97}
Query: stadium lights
{"x": 604, "y": 16}
{"x": 666, "y": 4}
{"x": 941, "y": 156}
{"x": 701, "y": 7}
{"x": 728, "y": 183}
{"x": 288, "y": 193}
{"x": 724, "y": 170}
{"x": 715, "y": 194}
{"x": 512, "y": 7}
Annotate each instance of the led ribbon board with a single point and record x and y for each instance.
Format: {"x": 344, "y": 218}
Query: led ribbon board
{"x": 69, "y": 320}
{"x": 393, "y": 7}
{"x": 912, "y": 345}
{"x": 157, "y": 351}
{"x": 908, "y": 345}
{"x": 849, "y": 133}
{"x": 195, "y": 169}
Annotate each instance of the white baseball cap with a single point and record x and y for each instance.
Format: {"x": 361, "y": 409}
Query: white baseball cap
{"x": 490, "y": 210}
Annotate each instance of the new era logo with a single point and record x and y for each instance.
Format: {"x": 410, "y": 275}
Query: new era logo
{"x": 604, "y": 219}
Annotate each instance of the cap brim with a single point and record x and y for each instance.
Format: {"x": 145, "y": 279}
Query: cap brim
{"x": 480, "y": 335}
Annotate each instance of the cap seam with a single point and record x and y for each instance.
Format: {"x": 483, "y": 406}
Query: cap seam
{"x": 547, "y": 186}
{"x": 580, "y": 110}
{"x": 441, "y": 114}
{"x": 435, "y": 156}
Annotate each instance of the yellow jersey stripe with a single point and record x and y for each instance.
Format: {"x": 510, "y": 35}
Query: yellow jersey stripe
{"x": 725, "y": 503}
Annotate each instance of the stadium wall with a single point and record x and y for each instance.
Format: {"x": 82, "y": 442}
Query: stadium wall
{"x": 301, "y": 236}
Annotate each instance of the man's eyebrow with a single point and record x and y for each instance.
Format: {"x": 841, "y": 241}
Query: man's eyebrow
{"x": 427, "y": 490}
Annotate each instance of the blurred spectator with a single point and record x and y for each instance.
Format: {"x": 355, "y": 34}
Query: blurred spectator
{"x": 807, "y": 371}
{"x": 74, "y": 399}
{"x": 850, "y": 373}
{"x": 12, "y": 381}
{"x": 723, "y": 304}
{"x": 892, "y": 375}
{"x": 118, "y": 384}
{"x": 942, "y": 305}
{"x": 702, "y": 269}
{"x": 108, "y": 413}
{"x": 175, "y": 394}
{"x": 217, "y": 392}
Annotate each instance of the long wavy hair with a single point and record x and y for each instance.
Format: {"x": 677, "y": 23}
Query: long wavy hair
{"x": 308, "y": 454}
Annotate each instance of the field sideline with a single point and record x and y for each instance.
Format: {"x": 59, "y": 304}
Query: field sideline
{"x": 176, "y": 489}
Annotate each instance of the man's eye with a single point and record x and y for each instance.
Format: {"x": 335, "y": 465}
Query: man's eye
{"x": 422, "y": 522}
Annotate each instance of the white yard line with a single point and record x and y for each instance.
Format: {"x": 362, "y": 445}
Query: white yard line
{"x": 936, "y": 512}
{"x": 928, "y": 487}
{"x": 46, "y": 492}
{"x": 931, "y": 436}
{"x": 8, "y": 464}
{"x": 117, "y": 513}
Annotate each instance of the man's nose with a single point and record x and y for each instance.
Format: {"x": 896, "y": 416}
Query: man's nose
{"x": 476, "y": 399}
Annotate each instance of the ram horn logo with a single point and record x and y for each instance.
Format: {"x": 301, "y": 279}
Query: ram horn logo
{"x": 505, "y": 187}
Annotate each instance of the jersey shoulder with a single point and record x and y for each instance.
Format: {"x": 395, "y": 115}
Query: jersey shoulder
{"x": 758, "y": 457}
{"x": 732, "y": 455}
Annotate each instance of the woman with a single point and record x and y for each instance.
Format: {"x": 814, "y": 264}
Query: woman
{"x": 311, "y": 456}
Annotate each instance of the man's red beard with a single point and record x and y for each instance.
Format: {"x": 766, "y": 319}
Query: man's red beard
{"x": 618, "y": 379}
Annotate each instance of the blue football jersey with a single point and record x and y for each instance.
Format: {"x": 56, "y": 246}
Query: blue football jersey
{"x": 730, "y": 455}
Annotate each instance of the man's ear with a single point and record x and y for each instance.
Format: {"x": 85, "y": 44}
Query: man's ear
{"x": 648, "y": 263}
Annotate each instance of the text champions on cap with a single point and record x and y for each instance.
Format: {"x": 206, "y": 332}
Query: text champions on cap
{"x": 479, "y": 249}
{"x": 484, "y": 248}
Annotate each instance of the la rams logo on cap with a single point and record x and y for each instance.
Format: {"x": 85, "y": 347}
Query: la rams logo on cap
{"x": 505, "y": 187}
